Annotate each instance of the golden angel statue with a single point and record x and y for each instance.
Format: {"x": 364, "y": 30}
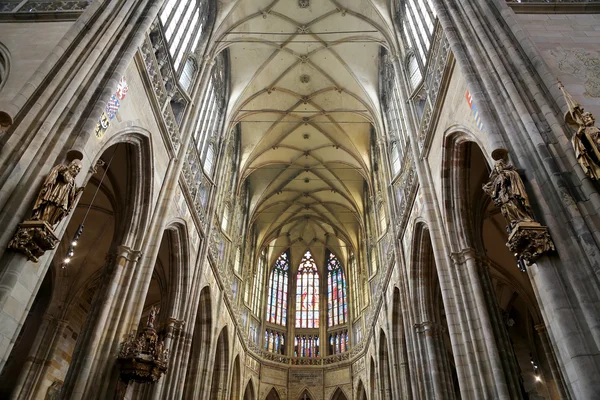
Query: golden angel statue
{"x": 506, "y": 189}
{"x": 58, "y": 195}
{"x": 586, "y": 142}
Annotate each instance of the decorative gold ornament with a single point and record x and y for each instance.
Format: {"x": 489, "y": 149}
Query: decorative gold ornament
{"x": 586, "y": 142}
{"x": 527, "y": 238}
{"x": 55, "y": 200}
{"x": 143, "y": 358}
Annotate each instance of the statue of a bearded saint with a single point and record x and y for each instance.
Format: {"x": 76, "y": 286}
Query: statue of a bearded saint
{"x": 58, "y": 195}
{"x": 508, "y": 192}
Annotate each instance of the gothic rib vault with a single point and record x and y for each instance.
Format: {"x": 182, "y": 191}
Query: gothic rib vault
{"x": 304, "y": 91}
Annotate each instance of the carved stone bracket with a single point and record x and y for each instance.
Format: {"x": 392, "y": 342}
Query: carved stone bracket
{"x": 33, "y": 238}
{"x": 529, "y": 240}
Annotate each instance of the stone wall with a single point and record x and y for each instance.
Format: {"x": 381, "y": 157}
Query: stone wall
{"x": 569, "y": 44}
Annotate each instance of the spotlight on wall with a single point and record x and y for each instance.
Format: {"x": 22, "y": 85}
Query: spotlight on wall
{"x": 538, "y": 379}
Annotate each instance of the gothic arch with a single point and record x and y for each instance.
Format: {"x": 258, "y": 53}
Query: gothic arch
{"x": 399, "y": 347}
{"x": 200, "y": 348}
{"x": 339, "y": 395}
{"x": 385, "y": 379}
{"x": 372, "y": 381}
{"x": 218, "y": 386}
{"x": 140, "y": 160}
{"x": 476, "y": 225}
{"x": 249, "y": 392}
{"x": 306, "y": 395}
{"x": 361, "y": 393}
{"x": 235, "y": 379}
{"x": 273, "y": 395}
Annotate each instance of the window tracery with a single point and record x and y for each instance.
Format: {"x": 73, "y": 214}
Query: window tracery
{"x": 274, "y": 341}
{"x": 338, "y": 342}
{"x": 257, "y": 290}
{"x": 278, "y": 291}
{"x": 306, "y": 346}
{"x": 337, "y": 308}
{"x": 210, "y": 121}
{"x": 183, "y": 23}
{"x": 307, "y": 293}
{"x": 416, "y": 19}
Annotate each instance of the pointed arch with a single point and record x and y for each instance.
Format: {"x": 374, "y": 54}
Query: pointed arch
{"x": 249, "y": 391}
{"x": 307, "y": 293}
{"x": 385, "y": 379}
{"x": 399, "y": 347}
{"x": 195, "y": 379}
{"x": 361, "y": 393}
{"x": 273, "y": 395}
{"x": 339, "y": 395}
{"x": 218, "y": 386}
{"x": 235, "y": 379}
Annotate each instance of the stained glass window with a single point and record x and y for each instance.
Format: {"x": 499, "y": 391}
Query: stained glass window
{"x": 306, "y": 346}
{"x": 277, "y": 296}
{"x": 274, "y": 341}
{"x": 307, "y": 293}
{"x": 337, "y": 308}
{"x": 338, "y": 342}
{"x": 257, "y": 289}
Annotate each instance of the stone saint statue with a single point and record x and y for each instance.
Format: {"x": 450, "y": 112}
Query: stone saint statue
{"x": 508, "y": 192}
{"x": 152, "y": 316}
{"x": 586, "y": 142}
{"x": 58, "y": 195}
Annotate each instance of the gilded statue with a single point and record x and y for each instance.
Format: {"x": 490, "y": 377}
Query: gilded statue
{"x": 508, "y": 193}
{"x": 586, "y": 142}
{"x": 58, "y": 195}
{"x": 56, "y": 199}
{"x": 527, "y": 238}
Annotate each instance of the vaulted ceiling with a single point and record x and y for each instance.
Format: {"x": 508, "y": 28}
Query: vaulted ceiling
{"x": 304, "y": 90}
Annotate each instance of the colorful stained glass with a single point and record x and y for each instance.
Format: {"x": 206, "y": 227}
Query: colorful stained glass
{"x": 337, "y": 309}
{"x": 306, "y": 346}
{"x": 338, "y": 342}
{"x": 307, "y": 293}
{"x": 274, "y": 341}
{"x": 278, "y": 291}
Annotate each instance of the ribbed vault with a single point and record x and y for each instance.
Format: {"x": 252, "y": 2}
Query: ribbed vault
{"x": 304, "y": 93}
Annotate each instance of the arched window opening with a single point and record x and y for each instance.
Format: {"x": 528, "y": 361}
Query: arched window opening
{"x": 278, "y": 291}
{"x": 416, "y": 19}
{"x": 274, "y": 341}
{"x": 338, "y": 342}
{"x": 4, "y": 65}
{"x": 395, "y": 155}
{"x": 188, "y": 74}
{"x": 337, "y": 307}
{"x": 414, "y": 73}
{"x": 307, "y": 293}
{"x": 212, "y": 109}
{"x": 183, "y": 24}
{"x": 257, "y": 290}
{"x": 306, "y": 346}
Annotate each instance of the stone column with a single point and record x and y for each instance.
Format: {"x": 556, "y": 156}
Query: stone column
{"x": 88, "y": 351}
{"x": 558, "y": 386}
{"x": 50, "y": 112}
{"x": 435, "y": 367}
{"x": 31, "y": 383}
{"x": 515, "y": 93}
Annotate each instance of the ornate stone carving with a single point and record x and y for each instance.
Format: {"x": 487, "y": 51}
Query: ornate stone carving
{"x": 53, "y": 392}
{"x": 586, "y": 142}
{"x": 33, "y": 238}
{"x": 527, "y": 239}
{"x": 303, "y": 3}
{"x": 143, "y": 358}
{"x": 55, "y": 200}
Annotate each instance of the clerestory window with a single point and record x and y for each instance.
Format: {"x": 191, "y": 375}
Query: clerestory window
{"x": 307, "y": 293}
{"x": 277, "y": 296}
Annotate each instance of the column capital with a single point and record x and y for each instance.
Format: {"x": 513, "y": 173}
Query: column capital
{"x": 128, "y": 253}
